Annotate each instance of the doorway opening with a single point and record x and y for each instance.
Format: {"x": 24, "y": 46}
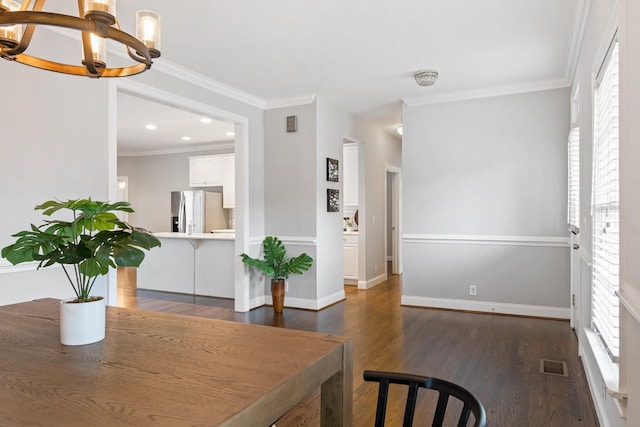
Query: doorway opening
{"x": 239, "y": 145}
{"x": 393, "y": 246}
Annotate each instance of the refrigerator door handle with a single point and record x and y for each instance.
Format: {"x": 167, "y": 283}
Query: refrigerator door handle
{"x": 181, "y": 214}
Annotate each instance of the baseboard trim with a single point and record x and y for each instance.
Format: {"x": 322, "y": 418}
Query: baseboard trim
{"x": 488, "y": 307}
{"x": 311, "y": 304}
{"x": 257, "y": 302}
{"x": 368, "y": 284}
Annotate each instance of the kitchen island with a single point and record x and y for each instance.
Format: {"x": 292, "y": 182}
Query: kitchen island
{"x": 198, "y": 263}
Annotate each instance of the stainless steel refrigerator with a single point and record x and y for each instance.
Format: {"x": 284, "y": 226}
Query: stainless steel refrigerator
{"x": 197, "y": 211}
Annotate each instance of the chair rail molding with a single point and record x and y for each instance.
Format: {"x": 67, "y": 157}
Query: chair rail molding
{"x": 486, "y": 240}
{"x": 8, "y": 268}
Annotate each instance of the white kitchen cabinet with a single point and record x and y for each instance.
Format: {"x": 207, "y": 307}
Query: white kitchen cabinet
{"x": 350, "y": 172}
{"x": 228, "y": 181}
{"x": 351, "y": 258}
{"x": 205, "y": 171}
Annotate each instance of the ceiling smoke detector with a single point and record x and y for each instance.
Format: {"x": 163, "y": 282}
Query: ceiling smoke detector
{"x": 426, "y": 77}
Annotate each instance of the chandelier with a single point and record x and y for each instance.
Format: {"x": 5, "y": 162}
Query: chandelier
{"x": 96, "y": 21}
{"x": 426, "y": 77}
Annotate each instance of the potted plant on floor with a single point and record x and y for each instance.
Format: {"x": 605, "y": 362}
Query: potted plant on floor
{"x": 93, "y": 241}
{"x": 277, "y": 266}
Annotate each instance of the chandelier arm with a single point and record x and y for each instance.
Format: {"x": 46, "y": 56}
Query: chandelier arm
{"x": 76, "y": 69}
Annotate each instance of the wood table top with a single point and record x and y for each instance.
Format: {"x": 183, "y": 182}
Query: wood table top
{"x": 162, "y": 369}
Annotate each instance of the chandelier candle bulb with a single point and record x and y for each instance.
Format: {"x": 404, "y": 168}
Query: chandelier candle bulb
{"x": 8, "y": 33}
{"x": 101, "y": 11}
{"x": 148, "y": 30}
{"x": 108, "y": 6}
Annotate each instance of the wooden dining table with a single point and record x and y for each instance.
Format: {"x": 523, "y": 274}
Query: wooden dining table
{"x": 165, "y": 369}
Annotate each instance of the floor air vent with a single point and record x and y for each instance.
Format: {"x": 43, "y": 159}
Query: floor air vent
{"x": 553, "y": 367}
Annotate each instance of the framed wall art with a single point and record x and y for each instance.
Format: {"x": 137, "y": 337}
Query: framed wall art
{"x": 333, "y": 200}
{"x": 333, "y": 172}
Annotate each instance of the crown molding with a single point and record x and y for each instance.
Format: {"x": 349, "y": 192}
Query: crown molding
{"x": 178, "y": 150}
{"x": 487, "y": 93}
{"x": 293, "y": 101}
{"x": 174, "y": 70}
{"x": 189, "y": 76}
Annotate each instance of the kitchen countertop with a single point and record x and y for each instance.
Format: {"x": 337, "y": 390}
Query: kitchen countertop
{"x": 196, "y": 236}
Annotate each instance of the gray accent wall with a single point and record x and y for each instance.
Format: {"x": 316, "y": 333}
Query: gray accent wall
{"x": 484, "y": 201}
{"x": 295, "y": 196}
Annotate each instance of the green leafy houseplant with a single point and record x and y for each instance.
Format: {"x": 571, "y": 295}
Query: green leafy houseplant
{"x": 275, "y": 263}
{"x": 87, "y": 246}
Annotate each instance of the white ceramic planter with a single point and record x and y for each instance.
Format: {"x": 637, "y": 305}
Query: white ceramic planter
{"x": 82, "y": 323}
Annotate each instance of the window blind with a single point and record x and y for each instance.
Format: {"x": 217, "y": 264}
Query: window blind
{"x": 606, "y": 206}
{"x": 573, "y": 208}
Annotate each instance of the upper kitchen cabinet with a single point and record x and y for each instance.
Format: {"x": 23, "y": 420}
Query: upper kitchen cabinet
{"x": 350, "y": 172}
{"x": 214, "y": 171}
{"x": 205, "y": 171}
{"x": 229, "y": 181}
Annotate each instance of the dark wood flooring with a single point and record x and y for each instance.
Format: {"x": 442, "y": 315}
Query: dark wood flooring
{"x": 495, "y": 357}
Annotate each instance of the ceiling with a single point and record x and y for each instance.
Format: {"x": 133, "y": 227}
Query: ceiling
{"x": 172, "y": 125}
{"x": 361, "y": 54}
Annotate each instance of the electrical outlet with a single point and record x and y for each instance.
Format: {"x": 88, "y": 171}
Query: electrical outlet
{"x": 286, "y": 286}
{"x": 375, "y": 268}
{"x": 473, "y": 290}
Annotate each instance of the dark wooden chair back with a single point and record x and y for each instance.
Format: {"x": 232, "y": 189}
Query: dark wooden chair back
{"x": 471, "y": 404}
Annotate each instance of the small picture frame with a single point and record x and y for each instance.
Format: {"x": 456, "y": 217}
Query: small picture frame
{"x": 333, "y": 172}
{"x": 333, "y": 200}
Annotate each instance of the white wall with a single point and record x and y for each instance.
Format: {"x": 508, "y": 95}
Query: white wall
{"x": 54, "y": 145}
{"x": 484, "y": 203}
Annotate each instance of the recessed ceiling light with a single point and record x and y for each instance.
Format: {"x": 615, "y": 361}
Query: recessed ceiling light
{"x": 151, "y": 127}
{"x": 186, "y": 138}
{"x": 230, "y": 134}
{"x": 205, "y": 120}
